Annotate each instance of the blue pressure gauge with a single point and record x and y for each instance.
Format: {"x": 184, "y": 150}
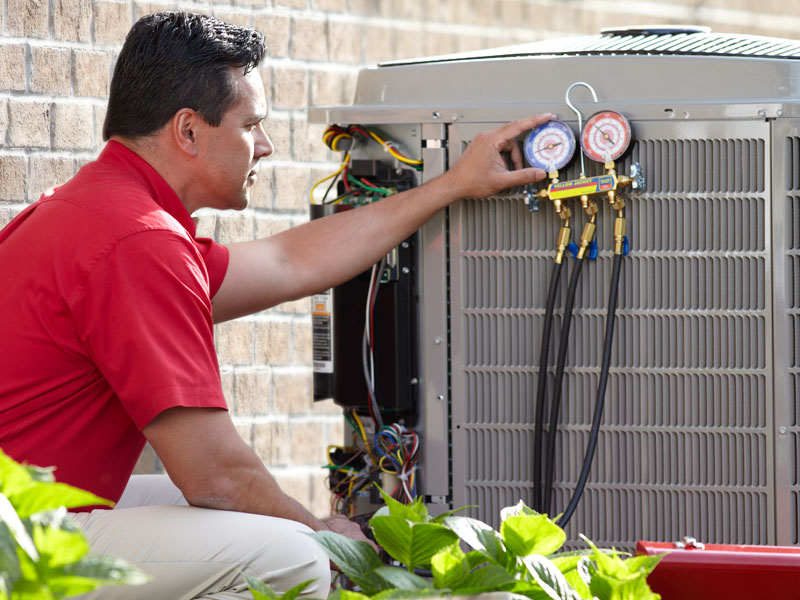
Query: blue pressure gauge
{"x": 549, "y": 146}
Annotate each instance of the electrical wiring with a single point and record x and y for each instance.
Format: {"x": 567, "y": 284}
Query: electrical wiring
{"x": 343, "y": 166}
{"x": 398, "y": 447}
{"x": 388, "y": 146}
{"x": 368, "y": 346}
{"x": 363, "y": 183}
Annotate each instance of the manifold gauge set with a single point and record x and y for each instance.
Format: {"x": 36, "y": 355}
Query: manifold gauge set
{"x": 604, "y": 138}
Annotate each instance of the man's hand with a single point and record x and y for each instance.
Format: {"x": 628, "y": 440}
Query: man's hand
{"x": 346, "y": 527}
{"x": 482, "y": 170}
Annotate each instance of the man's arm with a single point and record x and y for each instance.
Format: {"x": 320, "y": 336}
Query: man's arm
{"x": 325, "y": 252}
{"x": 214, "y": 468}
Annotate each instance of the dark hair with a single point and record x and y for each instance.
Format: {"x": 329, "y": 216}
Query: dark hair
{"x": 175, "y": 60}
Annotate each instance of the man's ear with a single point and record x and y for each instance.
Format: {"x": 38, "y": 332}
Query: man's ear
{"x": 184, "y": 128}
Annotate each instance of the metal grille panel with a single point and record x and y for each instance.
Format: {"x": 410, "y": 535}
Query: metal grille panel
{"x": 792, "y": 287}
{"x": 686, "y": 431}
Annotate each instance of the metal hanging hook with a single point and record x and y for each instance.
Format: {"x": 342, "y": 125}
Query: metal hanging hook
{"x": 577, "y": 112}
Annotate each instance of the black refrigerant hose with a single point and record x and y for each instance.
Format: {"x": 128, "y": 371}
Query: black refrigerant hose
{"x": 555, "y": 403}
{"x": 541, "y": 389}
{"x": 601, "y": 392}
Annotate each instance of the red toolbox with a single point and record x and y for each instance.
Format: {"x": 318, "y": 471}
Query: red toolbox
{"x": 695, "y": 571}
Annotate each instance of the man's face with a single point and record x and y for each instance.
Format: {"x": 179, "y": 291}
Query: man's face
{"x": 230, "y": 152}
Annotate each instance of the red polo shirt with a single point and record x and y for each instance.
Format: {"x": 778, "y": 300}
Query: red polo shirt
{"x": 105, "y": 321}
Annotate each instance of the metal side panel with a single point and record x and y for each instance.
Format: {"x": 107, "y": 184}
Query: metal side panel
{"x": 786, "y": 301}
{"x": 686, "y": 446}
{"x": 433, "y": 354}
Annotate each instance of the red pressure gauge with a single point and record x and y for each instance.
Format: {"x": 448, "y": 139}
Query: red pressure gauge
{"x": 606, "y": 136}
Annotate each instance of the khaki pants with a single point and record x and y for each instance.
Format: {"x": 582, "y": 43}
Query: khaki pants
{"x": 198, "y": 553}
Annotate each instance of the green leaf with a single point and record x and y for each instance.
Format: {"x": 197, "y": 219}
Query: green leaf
{"x": 519, "y": 509}
{"x": 549, "y": 578}
{"x": 106, "y": 569}
{"x": 412, "y": 545}
{"x": 343, "y": 594}
{"x": 490, "y": 577}
{"x": 468, "y": 529}
{"x": 531, "y": 534}
{"x": 9, "y": 563}
{"x": 402, "y": 579}
{"x": 259, "y": 589}
{"x": 450, "y": 567}
{"x": 529, "y": 590}
{"x": 613, "y": 578}
{"x": 576, "y": 580}
{"x": 416, "y": 512}
{"x": 37, "y": 497}
{"x": 59, "y": 547}
{"x": 398, "y": 594}
{"x": 9, "y": 516}
{"x": 357, "y": 559}
{"x": 450, "y": 513}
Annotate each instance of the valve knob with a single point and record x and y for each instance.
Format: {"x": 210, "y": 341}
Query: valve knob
{"x": 637, "y": 176}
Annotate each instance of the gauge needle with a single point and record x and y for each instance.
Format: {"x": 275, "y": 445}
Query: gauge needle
{"x": 608, "y": 137}
{"x": 549, "y": 147}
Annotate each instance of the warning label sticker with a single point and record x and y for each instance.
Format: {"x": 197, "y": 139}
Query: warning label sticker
{"x": 322, "y": 332}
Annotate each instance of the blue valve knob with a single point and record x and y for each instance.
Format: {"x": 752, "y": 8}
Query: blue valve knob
{"x": 573, "y": 248}
{"x": 593, "y": 250}
{"x": 625, "y": 246}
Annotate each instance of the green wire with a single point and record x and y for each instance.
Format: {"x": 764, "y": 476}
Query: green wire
{"x": 367, "y": 187}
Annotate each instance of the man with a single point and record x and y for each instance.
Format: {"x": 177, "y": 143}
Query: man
{"x": 109, "y": 301}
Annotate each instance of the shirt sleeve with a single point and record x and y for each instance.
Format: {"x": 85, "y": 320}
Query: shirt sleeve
{"x": 144, "y": 318}
{"x": 216, "y": 258}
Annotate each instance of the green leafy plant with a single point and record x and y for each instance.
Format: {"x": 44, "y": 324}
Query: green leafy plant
{"x": 43, "y": 555}
{"x": 261, "y": 591}
{"x": 520, "y": 558}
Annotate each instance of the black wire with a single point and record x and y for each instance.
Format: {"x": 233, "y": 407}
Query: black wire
{"x": 555, "y": 402}
{"x": 328, "y": 191}
{"x": 343, "y": 196}
{"x": 541, "y": 390}
{"x": 601, "y": 393}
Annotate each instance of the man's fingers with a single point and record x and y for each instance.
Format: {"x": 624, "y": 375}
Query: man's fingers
{"x": 516, "y": 156}
{"x": 522, "y": 177}
{"x": 511, "y": 130}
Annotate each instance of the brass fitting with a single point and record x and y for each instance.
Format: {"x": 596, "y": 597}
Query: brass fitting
{"x": 619, "y": 234}
{"x": 590, "y": 206}
{"x": 563, "y": 242}
{"x": 586, "y": 238}
{"x": 562, "y": 210}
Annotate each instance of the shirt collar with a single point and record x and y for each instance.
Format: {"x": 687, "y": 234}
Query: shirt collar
{"x": 119, "y": 155}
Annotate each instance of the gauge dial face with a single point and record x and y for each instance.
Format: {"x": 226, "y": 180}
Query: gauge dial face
{"x": 606, "y": 136}
{"x": 549, "y": 146}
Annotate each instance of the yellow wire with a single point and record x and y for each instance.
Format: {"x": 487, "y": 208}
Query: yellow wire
{"x": 390, "y": 149}
{"x": 341, "y": 168}
{"x": 335, "y": 141}
{"x": 364, "y": 436}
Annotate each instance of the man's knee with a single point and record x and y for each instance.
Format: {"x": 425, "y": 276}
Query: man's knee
{"x": 302, "y": 559}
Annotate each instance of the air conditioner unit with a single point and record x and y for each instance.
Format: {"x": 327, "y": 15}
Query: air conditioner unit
{"x": 700, "y": 431}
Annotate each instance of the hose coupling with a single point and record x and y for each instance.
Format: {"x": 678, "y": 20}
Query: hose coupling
{"x": 586, "y": 238}
{"x": 563, "y": 242}
{"x": 619, "y": 235}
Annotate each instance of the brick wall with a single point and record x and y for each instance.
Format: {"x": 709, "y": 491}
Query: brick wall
{"x": 56, "y": 59}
